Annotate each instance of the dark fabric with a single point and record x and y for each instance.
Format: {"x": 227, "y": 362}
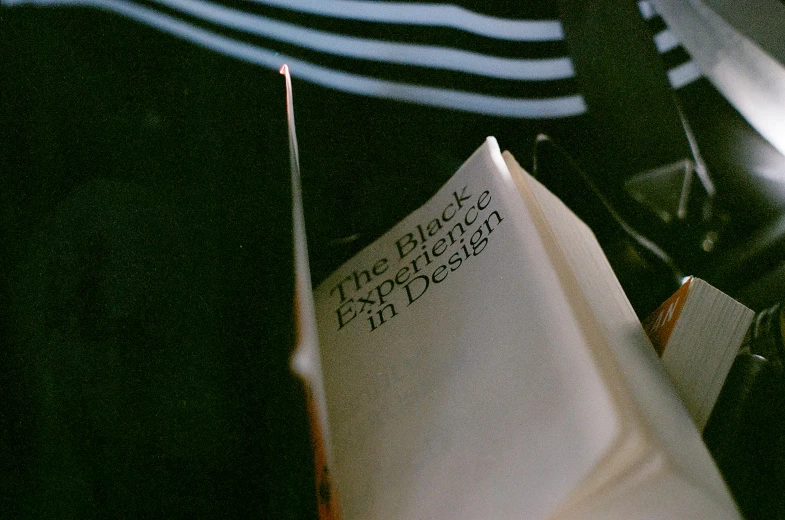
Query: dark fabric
{"x": 146, "y": 279}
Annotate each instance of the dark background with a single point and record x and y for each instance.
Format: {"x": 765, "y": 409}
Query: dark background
{"x": 145, "y": 263}
{"x": 146, "y": 279}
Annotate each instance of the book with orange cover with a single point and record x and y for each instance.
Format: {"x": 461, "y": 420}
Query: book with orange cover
{"x": 697, "y": 332}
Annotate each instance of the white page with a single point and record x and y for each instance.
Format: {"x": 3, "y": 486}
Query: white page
{"x": 663, "y": 412}
{"x": 479, "y": 398}
{"x": 703, "y": 345}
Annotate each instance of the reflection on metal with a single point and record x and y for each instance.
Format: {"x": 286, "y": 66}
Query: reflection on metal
{"x": 664, "y": 190}
{"x": 700, "y": 165}
{"x": 740, "y": 49}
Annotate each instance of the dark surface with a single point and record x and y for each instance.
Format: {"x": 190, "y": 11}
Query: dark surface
{"x": 146, "y": 286}
{"x": 746, "y": 436}
{"x": 146, "y": 279}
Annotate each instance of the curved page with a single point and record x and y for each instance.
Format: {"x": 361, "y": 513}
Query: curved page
{"x": 458, "y": 383}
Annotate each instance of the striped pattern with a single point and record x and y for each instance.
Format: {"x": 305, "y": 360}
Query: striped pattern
{"x": 433, "y": 54}
{"x": 681, "y": 69}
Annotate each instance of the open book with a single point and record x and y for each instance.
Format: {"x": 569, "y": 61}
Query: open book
{"x": 480, "y": 360}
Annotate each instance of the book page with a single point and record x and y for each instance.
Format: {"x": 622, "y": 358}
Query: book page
{"x": 703, "y": 345}
{"x": 661, "y": 413}
{"x": 458, "y": 382}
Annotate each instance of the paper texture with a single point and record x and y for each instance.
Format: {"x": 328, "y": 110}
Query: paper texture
{"x": 443, "y": 393}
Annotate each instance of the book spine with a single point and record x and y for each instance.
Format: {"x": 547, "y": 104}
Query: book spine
{"x": 305, "y": 357}
{"x": 326, "y": 498}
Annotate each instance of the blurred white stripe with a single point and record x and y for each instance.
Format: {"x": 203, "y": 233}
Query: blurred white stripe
{"x": 665, "y": 41}
{"x": 377, "y": 50}
{"x": 343, "y": 81}
{"x": 647, "y": 9}
{"x": 684, "y": 74}
{"x": 424, "y": 14}
{"x": 534, "y": 108}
